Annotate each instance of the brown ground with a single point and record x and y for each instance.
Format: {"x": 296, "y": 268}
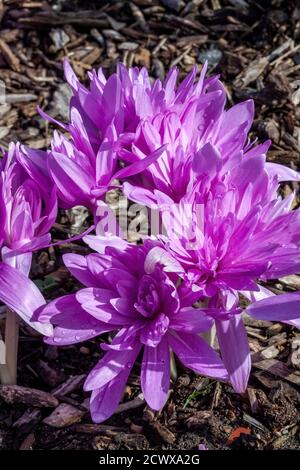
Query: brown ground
{"x": 254, "y": 45}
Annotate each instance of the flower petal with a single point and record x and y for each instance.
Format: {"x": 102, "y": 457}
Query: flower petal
{"x": 197, "y": 355}
{"x": 235, "y": 351}
{"x": 158, "y": 255}
{"x": 283, "y": 173}
{"x": 193, "y": 320}
{"x": 72, "y": 323}
{"x": 282, "y": 307}
{"x": 22, "y": 296}
{"x": 96, "y": 302}
{"x": 155, "y": 374}
{"x": 35, "y": 164}
{"x": 73, "y": 183}
{"x": 100, "y": 243}
{"x": 140, "y": 165}
{"x": 105, "y": 400}
{"x": 112, "y": 364}
{"x": 77, "y": 265}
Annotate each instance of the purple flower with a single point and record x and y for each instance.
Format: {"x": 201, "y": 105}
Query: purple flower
{"x": 243, "y": 234}
{"x": 123, "y": 119}
{"x": 193, "y": 123}
{"x": 145, "y": 310}
{"x": 81, "y": 175}
{"x": 27, "y": 214}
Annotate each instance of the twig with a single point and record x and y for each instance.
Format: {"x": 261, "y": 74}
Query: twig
{"x": 9, "y": 56}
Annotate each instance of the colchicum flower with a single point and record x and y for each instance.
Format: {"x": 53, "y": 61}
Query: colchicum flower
{"x": 81, "y": 174}
{"x": 129, "y": 294}
{"x": 27, "y": 214}
{"x": 123, "y": 119}
{"x": 175, "y": 148}
{"x": 186, "y": 133}
{"x": 245, "y": 233}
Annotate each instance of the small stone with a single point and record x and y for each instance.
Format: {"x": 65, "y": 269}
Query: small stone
{"x": 84, "y": 350}
{"x": 59, "y": 38}
{"x": 212, "y": 56}
{"x": 61, "y": 100}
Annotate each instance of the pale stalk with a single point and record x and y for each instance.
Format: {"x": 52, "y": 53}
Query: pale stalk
{"x": 9, "y": 350}
{"x": 208, "y": 336}
{"x": 173, "y": 367}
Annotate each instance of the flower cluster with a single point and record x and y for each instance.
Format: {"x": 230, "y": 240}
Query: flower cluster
{"x": 27, "y": 213}
{"x": 226, "y": 231}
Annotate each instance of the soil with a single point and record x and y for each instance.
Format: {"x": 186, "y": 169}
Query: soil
{"x": 254, "y": 45}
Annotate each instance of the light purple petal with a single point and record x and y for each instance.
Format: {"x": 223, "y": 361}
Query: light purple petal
{"x": 158, "y": 255}
{"x": 140, "y": 165}
{"x": 295, "y": 323}
{"x": 35, "y": 164}
{"x": 112, "y": 364}
{"x": 77, "y": 265}
{"x": 255, "y": 296}
{"x": 73, "y": 183}
{"x": 72, "y": 323}
{"x": 197, "y": 355}
{"x": 105, "y": 400}
{"x": 22, "y": 261}
{"x": 192, "y": 320}
{"x": 282, "y": 307}
{"x": 283, "y": 173}
{"x": 235, "y": 351}
{"x": 97, "y": 303}
{"x": 22, "y": 296}
{"x": 99, "y": 243}
{"x": 155, "y": 374}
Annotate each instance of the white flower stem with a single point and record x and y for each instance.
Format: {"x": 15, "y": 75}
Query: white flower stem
{"x": 173, "y": 368}
{"x": 9, "y": 350}
{"x": 208, "y": 336}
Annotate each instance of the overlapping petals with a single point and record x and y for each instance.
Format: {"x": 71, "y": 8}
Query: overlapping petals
{"x": 27, "y": 213}
{"x": 173, "y": 147}
{"x": 147, "y": 314}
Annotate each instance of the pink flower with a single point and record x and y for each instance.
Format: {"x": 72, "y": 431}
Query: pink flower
{"x": 245, "y": 234}
{"x": 145, "y": 310}
{"x": 27, "y": 214}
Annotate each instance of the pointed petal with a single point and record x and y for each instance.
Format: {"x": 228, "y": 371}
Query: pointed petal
{"x": 35, "y": 164}
{"x": 105, "y": 400}
{"x": 283, "y": 173}
{"x": 73, "y": 183}
{"x": 235, "y": 351}
{"x": 255, "y": 296}
{"x": 100, "y": 243}
{"x": 96, "y": 302}
{"x": 155, "y": 374}
{"x": 72, "y": 323}
{"x": 282, "y": 307}
{"x": 22, "y": 296}
{"x": 22, "y": 261}
{"x": 112, "y": 364}
{"x": 78, "y": 267}
{"x": 192, "y": 320}
{"x": 197, "y": 355}
{"x": 159, "y": 255}
{"x": 140, "y": 165}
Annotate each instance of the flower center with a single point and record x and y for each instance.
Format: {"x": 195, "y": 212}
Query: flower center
{"x": 147, "y": 299}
